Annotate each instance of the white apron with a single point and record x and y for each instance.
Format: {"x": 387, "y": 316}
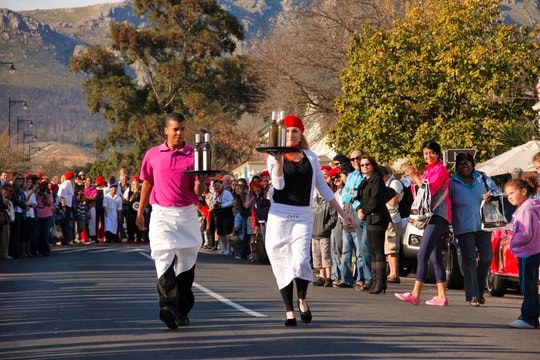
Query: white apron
{"x": 111, "y": 220}
{"x": 174, "y": 231}
{"x": 288, "y": 241}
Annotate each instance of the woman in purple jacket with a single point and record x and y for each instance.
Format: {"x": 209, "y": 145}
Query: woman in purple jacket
{"x": 525, "y": 245}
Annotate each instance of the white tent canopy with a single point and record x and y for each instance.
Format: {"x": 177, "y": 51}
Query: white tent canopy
{"x": 518, "y": 157}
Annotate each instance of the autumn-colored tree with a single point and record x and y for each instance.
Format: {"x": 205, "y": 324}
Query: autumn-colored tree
{"x": 447, "y": 70}
{"x": 300, "y": 61}
{"x": 182, "y": 61}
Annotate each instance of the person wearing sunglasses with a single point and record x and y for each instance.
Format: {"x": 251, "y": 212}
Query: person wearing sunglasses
{"x": 468, "y": 188}
{"x": 373, "y": 211}
{"x": 355, "y": 240}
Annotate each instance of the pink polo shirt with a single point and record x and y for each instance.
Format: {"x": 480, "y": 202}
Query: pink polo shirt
{"x": 164, "y": 169}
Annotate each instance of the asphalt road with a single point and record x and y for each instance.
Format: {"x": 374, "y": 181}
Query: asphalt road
{"x": 100, "y": 302}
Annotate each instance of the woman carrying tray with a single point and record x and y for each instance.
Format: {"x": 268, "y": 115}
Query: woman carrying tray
{"x": 294, "y": 176}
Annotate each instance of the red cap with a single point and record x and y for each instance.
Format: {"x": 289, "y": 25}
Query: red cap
{"x": 100, "y": 180}
{"x": 69, "y": 175}
{"x": 39, "y": 175}
{"x": 326, "y": 167}
{"x": 256, "y": 184}
{"x": 264, "y": 173}
{"x": 333, "y": 172}
{"x": 294, "y": 121}
{"x": 136, "y": 178}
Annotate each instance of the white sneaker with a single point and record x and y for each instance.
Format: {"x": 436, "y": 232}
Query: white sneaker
{"x": 520, "y": 324}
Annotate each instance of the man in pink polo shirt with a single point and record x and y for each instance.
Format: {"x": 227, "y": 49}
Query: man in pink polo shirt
{"x": 174, "y": 232}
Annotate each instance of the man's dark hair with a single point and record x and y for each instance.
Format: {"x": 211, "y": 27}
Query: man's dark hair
{"x": 174, "y": 116}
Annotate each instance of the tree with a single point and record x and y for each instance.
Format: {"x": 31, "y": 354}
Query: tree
{"x": 300, "y": 62}
{"x": 447, "y": 70}
{"x": 181, "y": 62}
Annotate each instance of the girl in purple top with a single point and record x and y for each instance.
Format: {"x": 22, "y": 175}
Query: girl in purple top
{"x": 525, "y": 245}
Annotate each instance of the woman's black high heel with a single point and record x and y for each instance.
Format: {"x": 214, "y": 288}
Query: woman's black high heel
{"x": 305, "y": 315}
{"x": 290, "y": 322}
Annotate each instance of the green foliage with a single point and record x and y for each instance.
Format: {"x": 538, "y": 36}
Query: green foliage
{"x": 446, "y": 70}
{"x": 183, "y": 62}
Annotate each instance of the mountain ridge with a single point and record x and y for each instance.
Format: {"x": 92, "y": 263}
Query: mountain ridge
{"x": 40, "y": 43}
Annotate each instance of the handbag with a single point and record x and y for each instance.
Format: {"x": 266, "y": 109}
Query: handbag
{"x": 421, "y": 213}
{"x": 492, "y": 211}
{"x": 421, "y": 206}
{"x": 421, "y": 223}
{"x": 492, "y": 214}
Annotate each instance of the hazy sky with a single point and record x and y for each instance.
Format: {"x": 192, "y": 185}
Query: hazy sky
{"x": 17, "y": 5}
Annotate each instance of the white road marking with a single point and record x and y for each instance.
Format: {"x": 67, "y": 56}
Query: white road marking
{"x": 220, "y": 298}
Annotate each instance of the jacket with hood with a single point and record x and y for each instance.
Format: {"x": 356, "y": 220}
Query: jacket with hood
{"x": 526, "y": 227}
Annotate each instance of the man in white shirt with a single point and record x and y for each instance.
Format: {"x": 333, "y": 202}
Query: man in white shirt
{"x": 66, "y": 192}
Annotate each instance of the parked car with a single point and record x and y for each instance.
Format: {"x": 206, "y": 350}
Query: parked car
{"x": 504, "y": 271}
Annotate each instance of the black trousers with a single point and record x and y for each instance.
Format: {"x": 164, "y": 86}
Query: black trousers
{"x": 175, "y": 291}
{"x": 375, "y": 235}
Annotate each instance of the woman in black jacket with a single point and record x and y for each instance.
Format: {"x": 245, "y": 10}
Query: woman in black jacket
{"x": 373, "y": 211}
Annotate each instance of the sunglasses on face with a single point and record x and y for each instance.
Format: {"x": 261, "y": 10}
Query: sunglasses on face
{"x": 355, "y": 158}
{"x": 365, "y": 165}
{"x": 465, "y": 163}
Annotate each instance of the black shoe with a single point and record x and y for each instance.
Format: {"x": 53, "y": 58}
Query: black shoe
{"x": 482, "y": 300}
{"x": 366, "y": 286}
{"x": 168, "y": 316}
{"x": 342, "y": 284}
{"x": 319, "y": 282}
{"x": 393, "y": 280}
{"x": 183, "y": 320}
{"x": 328, "y": 283}
{"x": 305, "y": 315}
{"x": 290, "y": 322}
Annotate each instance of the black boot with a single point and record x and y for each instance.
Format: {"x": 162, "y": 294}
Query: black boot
{"x": 379, "y": 276}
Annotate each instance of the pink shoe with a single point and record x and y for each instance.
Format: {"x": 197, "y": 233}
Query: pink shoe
{"x": 437, "y": 301}
{"x": 408, "y": 298}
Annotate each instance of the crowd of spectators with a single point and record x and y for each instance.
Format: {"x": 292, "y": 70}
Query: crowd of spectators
{"x": 38, "y": 212}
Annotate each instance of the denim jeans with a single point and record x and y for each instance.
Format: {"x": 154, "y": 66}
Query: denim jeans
{"x": 475, "y": 269}
{"x": 357, "y": 242}
{"x": 528, "y": 282}
{"x": 363, "y": 255}
{"x": 337, "y": 246}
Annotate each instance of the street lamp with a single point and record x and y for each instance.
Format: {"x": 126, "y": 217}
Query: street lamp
{"x": 19, "y": 121}
{"x": 11, "y": 66}
{"x": 11, "y": 103}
